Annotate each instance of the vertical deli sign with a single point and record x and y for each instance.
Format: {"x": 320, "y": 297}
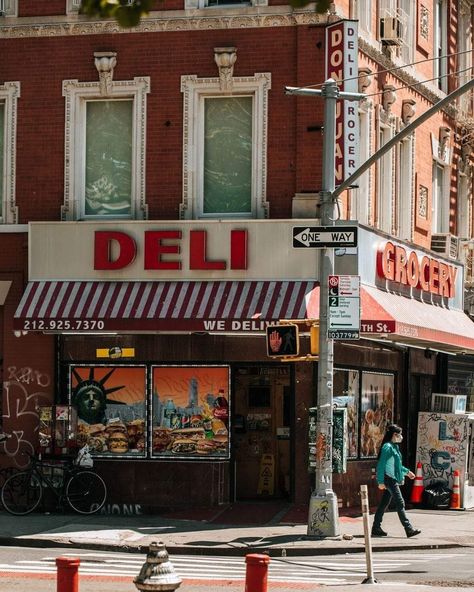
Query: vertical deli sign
{"x": 341, "y": 66}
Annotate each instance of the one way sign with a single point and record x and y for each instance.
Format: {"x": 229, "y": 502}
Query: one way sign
{"x": 314, "y": 237}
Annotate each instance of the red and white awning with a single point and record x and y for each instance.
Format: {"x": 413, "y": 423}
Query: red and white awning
{"x": 163, "y": 306}
{"x": 234, "y": 306}
{"x": 406, "y": 320}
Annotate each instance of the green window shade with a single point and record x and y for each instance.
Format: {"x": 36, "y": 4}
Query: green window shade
{"x": 228, "y": 155}
{"x": 109, "y": 132}
{"x": 2, "y": 152}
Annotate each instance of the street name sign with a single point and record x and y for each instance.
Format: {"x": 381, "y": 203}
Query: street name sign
{"x": 314, "y": 237}
{"x": 344, "y": 307}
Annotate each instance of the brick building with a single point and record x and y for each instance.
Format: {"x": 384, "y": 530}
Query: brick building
{"x": 150, "y": 182}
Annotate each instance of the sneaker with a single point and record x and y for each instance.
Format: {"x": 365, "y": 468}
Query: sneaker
{"x": 411, "y": 532}
{"x": 378, "y": 532}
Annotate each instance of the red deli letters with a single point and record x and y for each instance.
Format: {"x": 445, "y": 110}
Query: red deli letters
{"x": 108, "y": 243}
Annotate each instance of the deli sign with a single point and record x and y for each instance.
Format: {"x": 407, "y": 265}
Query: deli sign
{"x": 162, "y": 249}
{"x": 174, "y": 250}
{"x": 408, "y": 268}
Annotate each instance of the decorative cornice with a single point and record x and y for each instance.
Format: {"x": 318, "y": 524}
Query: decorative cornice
{"x": 172, "y": 20}
{"x": 421, "y": 88}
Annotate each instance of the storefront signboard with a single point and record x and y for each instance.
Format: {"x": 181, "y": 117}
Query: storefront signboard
{"x": 342, "y": 66}
{"x": 174, "y": 250}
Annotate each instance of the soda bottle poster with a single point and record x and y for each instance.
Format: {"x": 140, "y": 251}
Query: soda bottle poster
{"x": 191, "y": 411}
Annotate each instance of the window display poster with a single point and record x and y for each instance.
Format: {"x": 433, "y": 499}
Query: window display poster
{"x": 376, "y": 410}
{"x": 346, "y": 395}
{"x": 111, "y": 408}
{"x": 191, "y": 411}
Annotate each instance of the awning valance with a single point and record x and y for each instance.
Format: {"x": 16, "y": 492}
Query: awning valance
{"x": 233, "y": 306}
{"x": 415, "y": 323}
{"x": 163, "y": 306}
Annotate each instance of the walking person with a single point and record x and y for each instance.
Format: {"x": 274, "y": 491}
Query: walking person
{"x": 390, "y": 475}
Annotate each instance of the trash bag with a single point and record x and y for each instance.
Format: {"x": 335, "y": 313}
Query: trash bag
{"x": 437, "y": 495}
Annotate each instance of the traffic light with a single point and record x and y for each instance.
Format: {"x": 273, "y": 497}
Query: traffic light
{"x": 314, "y": 340}
{"x": 282, "y": 341}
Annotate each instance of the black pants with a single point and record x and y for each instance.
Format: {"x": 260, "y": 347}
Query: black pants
{"x": 392, "y": 490}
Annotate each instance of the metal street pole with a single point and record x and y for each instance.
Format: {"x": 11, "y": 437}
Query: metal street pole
{"x": 323, "y": 512}
{"x": 323, "y": 519}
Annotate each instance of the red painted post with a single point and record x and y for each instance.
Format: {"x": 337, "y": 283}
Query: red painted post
{"x": 68, "y": 574}
{"x": 256, "y": 573}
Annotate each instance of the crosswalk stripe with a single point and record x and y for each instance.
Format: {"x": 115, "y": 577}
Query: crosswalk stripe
{"x": 294, "y": 570}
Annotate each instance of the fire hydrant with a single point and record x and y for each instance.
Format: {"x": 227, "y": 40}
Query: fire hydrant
{"x": 157, "y": 573}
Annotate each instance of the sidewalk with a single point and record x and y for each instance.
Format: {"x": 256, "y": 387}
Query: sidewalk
{"x": 440, "y": 529}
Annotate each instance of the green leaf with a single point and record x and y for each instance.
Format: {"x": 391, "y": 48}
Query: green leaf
{"x": 322, "y": 6}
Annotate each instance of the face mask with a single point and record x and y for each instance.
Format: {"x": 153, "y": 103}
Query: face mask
{"x": 397, "y": 438}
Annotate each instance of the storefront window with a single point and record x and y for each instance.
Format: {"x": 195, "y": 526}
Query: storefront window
{"x": 111, "y": 408}
{"x": 376, "y": 410}
{"x": 346, "y": 394}
{"x": 190, "y": 410}
{"x": 369, "y": 403}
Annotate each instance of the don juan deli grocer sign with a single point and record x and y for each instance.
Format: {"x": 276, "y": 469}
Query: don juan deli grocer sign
{"x": 342, "y": 66}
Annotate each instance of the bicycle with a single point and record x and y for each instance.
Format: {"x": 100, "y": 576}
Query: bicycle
{"x": 84, "y": 490}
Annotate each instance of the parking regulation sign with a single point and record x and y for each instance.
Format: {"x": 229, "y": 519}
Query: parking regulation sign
{"x": 344, "y": 307}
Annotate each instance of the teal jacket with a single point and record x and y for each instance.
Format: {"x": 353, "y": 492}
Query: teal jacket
{"x": 391, "y": 451}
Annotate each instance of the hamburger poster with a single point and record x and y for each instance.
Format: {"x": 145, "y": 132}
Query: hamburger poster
{"x": 111, "y": 408}
{"x": 190, "y": 408}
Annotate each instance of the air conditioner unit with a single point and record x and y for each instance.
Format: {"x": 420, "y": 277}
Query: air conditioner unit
{"x": 466, "y": 256}
{"x": 446, "y": 244}
{"x": 391, "y": 30}
{"x": 444, "y": 403}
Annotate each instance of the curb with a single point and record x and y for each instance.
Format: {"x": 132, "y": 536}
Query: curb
{"x": 217, "y": 551}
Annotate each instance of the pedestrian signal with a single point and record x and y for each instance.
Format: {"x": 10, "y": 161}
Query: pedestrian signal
{"x": 282, "y": 341}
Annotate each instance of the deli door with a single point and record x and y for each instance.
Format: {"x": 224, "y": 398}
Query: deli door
{"x": 261, "y": 432}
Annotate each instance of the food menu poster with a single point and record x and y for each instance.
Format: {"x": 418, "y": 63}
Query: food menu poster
{"x": 376, "y": 410}
{"x": 191, "y": 410}
{"x": 111, "y": 408}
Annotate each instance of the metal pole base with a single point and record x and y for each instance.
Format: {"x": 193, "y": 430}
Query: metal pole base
{"x": 323, "y": 516}
{"x": 369, "y": 581}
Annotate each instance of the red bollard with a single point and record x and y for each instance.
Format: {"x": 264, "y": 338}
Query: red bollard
{"x": 256, "y": 573}
{"x": 68, "y": 574}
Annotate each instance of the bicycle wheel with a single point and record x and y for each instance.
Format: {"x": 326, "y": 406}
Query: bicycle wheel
{"x": 86, "y": 492}
{"x": 21, "y": 493}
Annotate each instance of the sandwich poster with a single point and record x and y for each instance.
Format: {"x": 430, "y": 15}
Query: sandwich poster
{"x": 111, "y": 408}
{"x": 191, "y": 411}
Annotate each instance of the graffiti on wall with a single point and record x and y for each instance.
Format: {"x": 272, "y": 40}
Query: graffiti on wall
{"x": 442, "y": 445}
{"x": 23, "y": 391}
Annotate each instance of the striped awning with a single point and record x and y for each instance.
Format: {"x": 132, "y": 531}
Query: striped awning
{"x": 164, "y": 306}
{"x": 415, "y": 323}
